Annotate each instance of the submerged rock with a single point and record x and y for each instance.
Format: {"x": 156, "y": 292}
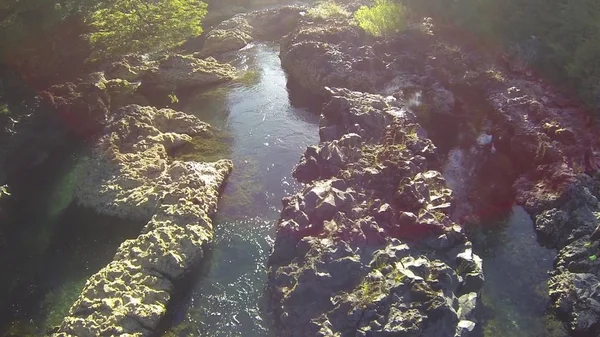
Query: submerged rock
{"x": 130, "y": 175}
{"x": 351, "y": 257}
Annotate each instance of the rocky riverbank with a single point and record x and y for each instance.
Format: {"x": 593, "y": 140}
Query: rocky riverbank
{"x": 374, "y": 244}
{"x": 367, "y": 247}
{"x": 461, "y": 93}
{"x": 131, "y": 175}
{"x": 134, "y": 173}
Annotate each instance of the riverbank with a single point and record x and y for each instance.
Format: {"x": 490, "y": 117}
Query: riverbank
{"x": 423, "y": 138}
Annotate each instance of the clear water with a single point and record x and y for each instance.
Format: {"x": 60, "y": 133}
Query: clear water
{"x": 268, "y": 135}
{"x": 515, "y": 293}
{"x": 54, "y": 247}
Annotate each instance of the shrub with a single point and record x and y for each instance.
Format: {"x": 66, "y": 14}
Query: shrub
{"x": 144, "y": 26}
{"x": 383, "y": 19}
{"x": 328, "y": 10}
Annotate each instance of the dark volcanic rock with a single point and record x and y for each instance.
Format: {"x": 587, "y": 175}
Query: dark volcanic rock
{"x": 355, "y": 257}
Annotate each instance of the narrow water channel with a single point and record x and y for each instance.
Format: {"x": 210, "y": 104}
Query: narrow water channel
{"x": 515, "y": 294}
{"x": 267, "y": 136}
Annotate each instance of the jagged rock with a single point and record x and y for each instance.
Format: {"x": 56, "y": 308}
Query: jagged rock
{"x": 235, "y": 33}
{"x": 576, "y": 296}
{"x": 130, "y": 68}
{"x": 323, "y": 55}
{"x": 230, "y": 35}
{"x": 348, "y": 259}
{"x": 83, "y": 106}
{"x": 130, "y": 175}
{"x": 179, "y": 72}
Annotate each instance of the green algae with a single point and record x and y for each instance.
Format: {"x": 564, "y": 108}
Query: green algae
{"x": 242, "y": 190}
{"x": 209, "y": 148}
{"x": 57, "y": 302}
{"x": 249, "y": 78}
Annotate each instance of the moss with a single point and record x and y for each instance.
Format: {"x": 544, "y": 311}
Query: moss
{"x": 249, "y": 77}
{"x": 57, "y": 302}
{"x": 21, "y": 329}
{"x": 209, "y": 148}
{"x": 242, "y": 190}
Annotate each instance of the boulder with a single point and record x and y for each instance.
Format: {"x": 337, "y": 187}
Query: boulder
{"x": 180, "y": 72}
{"x": 349, "y": 259}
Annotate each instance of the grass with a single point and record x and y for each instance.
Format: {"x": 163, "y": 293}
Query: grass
{"x": 383, "y": 19}
{"x": 328, "y": 10}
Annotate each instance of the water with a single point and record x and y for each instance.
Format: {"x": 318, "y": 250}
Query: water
{"x": 54, "y": 247}
{"x": 515, "y": 294}
{"x": 267, "y": 137}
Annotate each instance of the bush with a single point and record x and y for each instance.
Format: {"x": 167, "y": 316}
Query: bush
{"x": 383, "y": 19}
{"x": 328, "y": 10}
{"x": 144, "y": 26}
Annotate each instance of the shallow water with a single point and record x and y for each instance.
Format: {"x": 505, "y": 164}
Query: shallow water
{"x": 267, "y": 137}
{"x": 515, "y": 294}
{"x": 55, "y": 246}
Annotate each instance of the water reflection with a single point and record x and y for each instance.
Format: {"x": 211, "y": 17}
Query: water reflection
{"x": 269, "y": 135}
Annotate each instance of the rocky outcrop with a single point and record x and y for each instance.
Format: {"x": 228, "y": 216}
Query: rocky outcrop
{"x": 238, "y": 31}
{"x": 176, "y": 72}
{"x": 84, "y": 105}
{"x": 130, "y": 175}
{"x": 367, "y": 248}
{"x": 130, "y": 68}
{"x": 538, "y": 139}
{"x": 317, "y": 55}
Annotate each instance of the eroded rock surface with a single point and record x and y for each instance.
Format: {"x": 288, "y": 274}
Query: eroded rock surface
{"x": 130, "y": 175}
{"x": 180, "y": 72}
{"x": 538, "y": 139}
{"x": 240, "y": 30}
{"x": 367, "y": 248}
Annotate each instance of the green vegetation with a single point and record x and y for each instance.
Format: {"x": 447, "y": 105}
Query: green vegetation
{"x": 204, "y": 149}
{"x": 383, "y": 19}
{"x": 249, "y": 77}
{"x": 49, "y": 41}
{"x": 4, "y": 110}
{"x": 4, "y": 191}
{"x": 173, "y": 98}
{"x": 328, "y": 10}
{"x": 560, "y": 39}
{"x": 144, "y": 26}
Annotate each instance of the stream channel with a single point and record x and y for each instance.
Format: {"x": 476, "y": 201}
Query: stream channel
{"x": 266, "y": 129}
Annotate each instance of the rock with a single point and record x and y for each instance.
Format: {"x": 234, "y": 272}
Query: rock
{"x": 321, "y": 55}
{"x": 440, "y": 100}
{"x": 576, "y": 295}
{"x": 230, "y": 35}
{"x": 130, "y": 175}
{"x": 349, "y": 259}
{"x": 84, "y": 105}
{"x": 237, "y": 32}
{"x": 465, "y": 328}
{"x": 130, "y": 68}
{"x": 179, "y": 72}
{"x": 467, "y": 304}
